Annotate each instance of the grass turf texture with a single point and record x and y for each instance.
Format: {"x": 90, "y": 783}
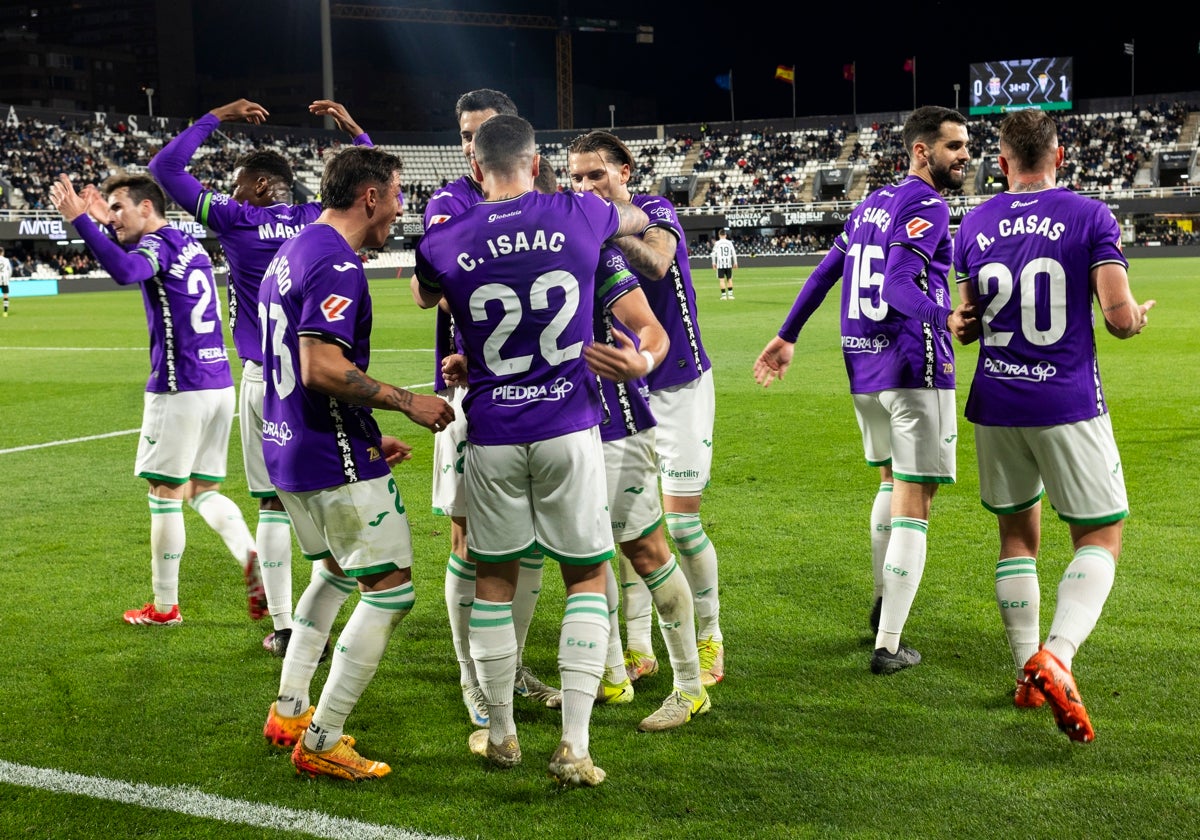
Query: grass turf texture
{"x": 802, "y": 740}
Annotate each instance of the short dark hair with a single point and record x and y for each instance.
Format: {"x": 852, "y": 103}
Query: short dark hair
{"x": 353, "y": 168}
{"x": 266, "y": 162}
{"x": 925, "y": 124}
{"x": 141, "y": 188}
{"x": 546, "y": 180}
{"x": 604, "y": 143}
{"x": 1028, "y": 135}
{"x": 504, "y": 144}
{"x": 484, "y": 99}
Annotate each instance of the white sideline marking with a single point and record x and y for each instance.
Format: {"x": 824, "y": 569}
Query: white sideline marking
{"x": 196, "y": 803}
{"x": 30, "y": 446}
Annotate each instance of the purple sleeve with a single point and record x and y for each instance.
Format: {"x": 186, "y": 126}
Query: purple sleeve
{"x": 125, "y": 267}
{"x": 815, "y": 288}
{"x": 363, "y": 140}
{"x": 168, "y": 166}
{"x": 901, "y": 292}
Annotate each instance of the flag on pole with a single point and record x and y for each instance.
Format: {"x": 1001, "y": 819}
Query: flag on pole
{"x": 725, "y": 81}
{"x": 787, "y": 74}
{"x": 848, "y": 72}
{"x": 1129, "y": 48}
{"x": 910, "y": 64}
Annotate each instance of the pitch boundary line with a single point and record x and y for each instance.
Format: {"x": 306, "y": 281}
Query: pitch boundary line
{"x": 196, "y": 803}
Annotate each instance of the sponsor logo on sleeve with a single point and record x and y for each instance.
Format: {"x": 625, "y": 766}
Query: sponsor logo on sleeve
{"x": 917, "y": 227}
{"x": 333, "y": 307}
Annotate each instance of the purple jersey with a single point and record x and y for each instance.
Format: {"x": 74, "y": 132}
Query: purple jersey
{"x": 673, "y": 300}
{"x": 316, "y": 286}
{"x": 1029, "y": 258}
{"x": 625, "y": 406}
{"x": 883, "y": 348}
{"x": 249, "y": 235}
{"x": 520, "y": 278}
{"x": 443, "y": 205}
{"x": 187, "y": 349}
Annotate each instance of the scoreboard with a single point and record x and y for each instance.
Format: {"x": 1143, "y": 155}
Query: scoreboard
{"x": 1000, "y": 86}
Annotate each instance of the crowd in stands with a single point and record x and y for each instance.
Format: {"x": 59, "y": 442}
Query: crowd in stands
{"x": 1105, "y": 151}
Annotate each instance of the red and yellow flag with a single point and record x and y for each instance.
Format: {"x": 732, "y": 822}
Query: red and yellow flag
{"x": 788, "y": 74}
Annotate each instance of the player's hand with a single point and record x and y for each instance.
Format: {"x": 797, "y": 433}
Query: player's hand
{"x": 241, "y": 109}
{"x": 329, "y": 108}
{"x": 454, "y": 369}
{"x": 64, "y": 198}
{"x": 395, "y": 450}
{"x": 964, "y": 323}
{"x": 434, "y": 413}
{"x": 772, "y": 363}
{"x": 97, "y": 206}
{"x": 617, "y": 364}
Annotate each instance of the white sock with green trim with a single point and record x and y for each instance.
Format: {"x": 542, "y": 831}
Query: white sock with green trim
{"x": 881, "y": 532}
{"x": 360, "y": 649}
{"x": 168, "y": 538}
{"x": 698, "y": 559}
{"x": 637, "y": 608}
{"x": 903, "y": 567}
{"x": 525, "y": 597}
{"x": 273, "y": 538}
{"x": 1019, "y": 600}
{"x": 582, "y": 644}
{"x": 614, "y": 660}
{"x": 460, "y": 595}
{"x": 225, "y": 517}
{"x": 494, "y": 649}
{"x": 673, "y": 599}
{"x": 1081, "y": 595}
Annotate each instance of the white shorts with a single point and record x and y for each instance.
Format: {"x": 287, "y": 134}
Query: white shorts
{"x": 634, "y": 506}
{"x": 915, "y": 430}
{"x": 1078, "y": 464}
{"x": 185, "y": 435}
{"x": 250, "y": 407}
{"x": 684, "y": 437}
{"x": 363, "y": 525}
{"x": 449, "y": 447}
{"x": 549, "y": 495}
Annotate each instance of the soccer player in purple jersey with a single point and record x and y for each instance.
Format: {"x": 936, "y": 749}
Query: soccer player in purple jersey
{"x": 471, "y": 109}
{"x": 893, "y": 257}
{"x": 1031, "y": 260}
{"x": 518, "y": 272}
{"x": 681, "y": 395}
{"x": 188, "y": 411}
{"x": 627, "y": 432}
{"x": 629, "y": 344}
{"x": 251, "y": 222}
{"x": 328, "y": 460}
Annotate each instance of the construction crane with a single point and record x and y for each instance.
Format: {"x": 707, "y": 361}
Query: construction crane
{"x": 562, "y": 27}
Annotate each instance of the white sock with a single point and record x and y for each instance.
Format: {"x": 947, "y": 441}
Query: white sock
{"x": 1081, "y": 595}
{"x": 494, "y": 649}
{"x": 673, "y": 599}
{"x": 273, "y": 539}
{"x": 168, "y": 538}
{"x": 1019, "y": 600}
{"x": 356, "y": 658}
{"x": 315, "y": 612}
{"x": 225, "y": 517}
{"x": 614, "y": 660}
{"x": 881, "y": 532}
{"x": 525, "y": 597}
{"x": 460, "y": 595}
{"x": 581, "y": 649}
{"x": 698, "y": 559}
{"x": 637, "y": 608}
{"x": 903, "y": 567}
